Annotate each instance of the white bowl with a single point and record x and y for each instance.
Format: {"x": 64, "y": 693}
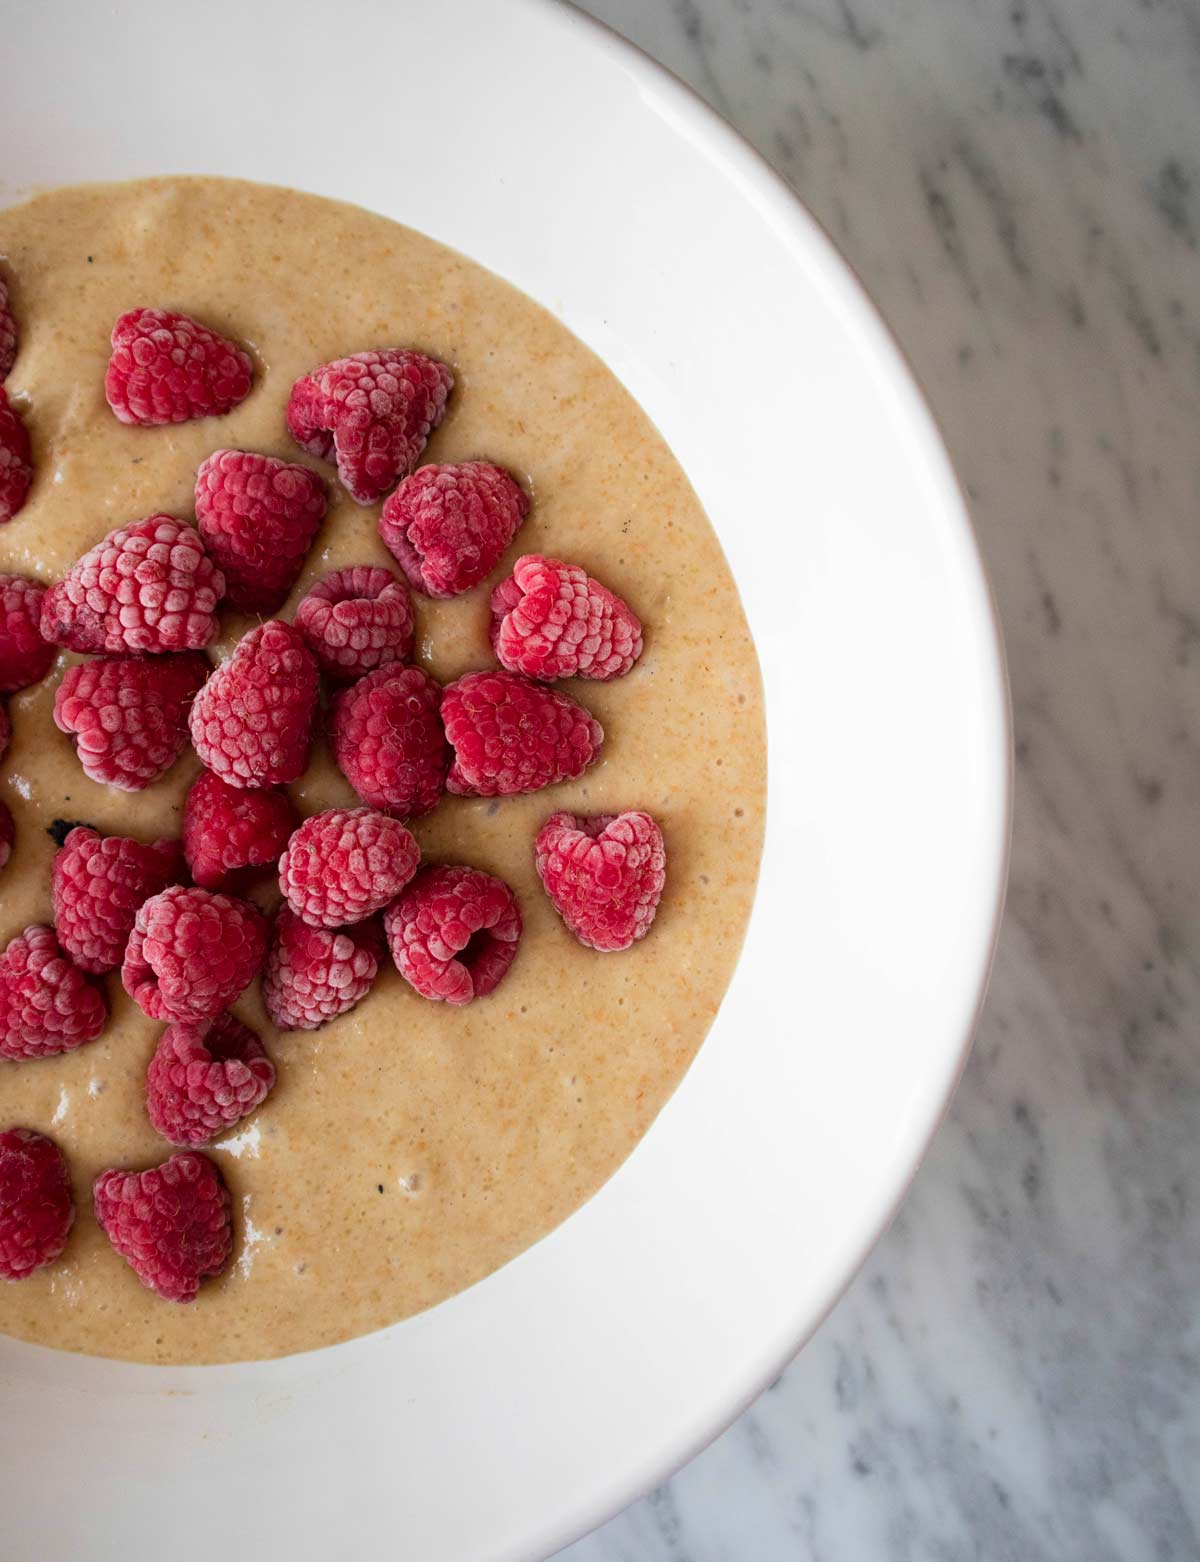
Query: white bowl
{"x": 508, "y": 1420}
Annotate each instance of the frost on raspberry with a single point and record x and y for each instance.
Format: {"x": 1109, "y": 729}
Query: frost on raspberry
{"x": 371, "y": 412}
{"x": 47, "y": 1004}
{"x": 146, "y": 588}
{"x": 345, "y": 864}
{"x": 37, "y": 1207}
{"x": 25, "y": 657}
{"x": 604, "y": 874}
{"x": 356, "y": 620}
{"x": 204, "y": 1078}
{"x": 128, "y": 716}
{"x": 388, "y": 741}
{"x": 168, "y": 368}
{"x": 258, "y": 517}
{"x": 97, "y": 884}
{"x": 192, "y": 952}
{"x": 252, "y": 722}
{"x": 171, "y": 1223}
{"x": 16, "y": 460}
{"x": 447, "y": 526}
{"x": 313, "y": 974}
{"x": 552, "y": 620}
{"x": 454, "y": 933}
{"x": 512, "y": 735}
{"x": 227, "y": 829}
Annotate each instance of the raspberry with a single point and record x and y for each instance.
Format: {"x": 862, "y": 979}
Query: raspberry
{"x": 258, "y": 516}
{"x": 204, "y": 1078}
{"x": 314, "y": 974}
{"x": 171, "y": 1223}
{"x": 373, "y": 411}
{"x": 5, "y": 732}
{"x": 252, "y": 721}
{"x": 511, "y": 735}
{"x": 552, "y": 620}
{"x": 36, "y": 1205}
{"x": 16, "y": 460}
{"x": 454, "y": 933}
{"x": 604, "y": 875}
{"x": 47, "y": 1005}
{"x": 192, "y": 952}
{"x": 167, "y": 368}
{"x": 24, "y": 656}
{"x": 97, "y": 883}
{"x": 388, "y": 741}
{"x": 344, "y": 865}
{"x": 228, "y": 828}
{"x": 356, "y": 620}
{"x": 446, "y": 526}
{"x": 128, "y": 716}
{"x": 8, "y": 332}
{"x": 148, "y": 587}
{"x": 8, "y": 830}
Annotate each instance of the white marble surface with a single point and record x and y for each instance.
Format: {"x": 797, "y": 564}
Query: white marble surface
{"x": 1016, "y": 1374}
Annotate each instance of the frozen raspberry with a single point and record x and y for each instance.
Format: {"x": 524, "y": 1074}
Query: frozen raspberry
{"x": 16, "y": 460}
{"x": 228, "y": 828}
{"x": 313, "y": 974}
{"x": 148, "y": 587}
{"x": 454, "y": 933}
{"x": 37, "y": 1208}
{"x": 128, "y": 716}
{"x": 47, "y": 1005}
{"x": 372, "y": 412}
{"x": 446, "y": 526}
{"x": 258, "y": 516}
{"x": 171, "y": 1223}
{"x": 192, "y": 952}
{"x": 388, "y": 741}
{"x": 204, "y": 1078}
{"x": 8, "y": 332}
{"x": 604, "y": 874}
{"x": 252, "y": 721}
{"x": 167, "y": 368}
{"x": 344, "y": 865}
{"x": 24, "y": 656}
{"x": 8, "y": 831}
{"x": 357, "y": 619}
{"x": 512, "y": 735}
{"x": 552, "y": 620}
{"x": 97, "y": 883}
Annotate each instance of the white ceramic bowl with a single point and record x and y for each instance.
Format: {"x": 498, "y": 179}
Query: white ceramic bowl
{"x": 510, "y": 1419}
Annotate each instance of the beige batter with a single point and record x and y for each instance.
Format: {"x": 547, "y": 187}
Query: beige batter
{"x": 408, "y": 1148}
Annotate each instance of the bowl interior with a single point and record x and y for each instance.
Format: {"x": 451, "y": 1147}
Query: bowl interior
{"x": 512, "y": 1417}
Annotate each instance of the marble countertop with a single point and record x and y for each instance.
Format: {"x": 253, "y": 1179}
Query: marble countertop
{"x": 1016, "y": 1372}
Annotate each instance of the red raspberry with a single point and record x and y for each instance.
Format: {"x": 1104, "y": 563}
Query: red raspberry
{"x": 171, "y": 1223}
{"x": 454, "y": 933}
{"x": 128, "y": 716}
{"x": 204, "y": 1078}
{"x": 356, "y": 620}
{"x": 446, "y": 526}
{"x": 512, "y": 735}
{"x": 388, "y": 741}
{"x": 605, "y": 875}
{"x": 24, "y": 656}
{"x": 16, "y": 460}
{"x": 552, "y": 620}
{"x": 258, "y": 516}
{"x": 228, "y": 828}
{"x": 146, "y": 587}
{"x": 8, "y": 830}
{"x": 373, "y": 411}
{"x": 47, "y": 1005}
{"x": 167, "y": 368}
{"x": 344, "y": 865}
{"x": 97, "y": 883}
{"x": 252, "y": 721}
{"x": 8, "y": 332}
{"x": 192, "y": 952}
{"x": 37, "y": 1208}
{"x": 313, "y": 974}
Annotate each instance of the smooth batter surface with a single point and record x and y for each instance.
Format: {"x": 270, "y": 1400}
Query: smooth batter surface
{"x": 408, "y": 1148}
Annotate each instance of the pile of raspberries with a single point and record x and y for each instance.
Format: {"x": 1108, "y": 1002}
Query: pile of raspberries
{"x": 172, "y": 915}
